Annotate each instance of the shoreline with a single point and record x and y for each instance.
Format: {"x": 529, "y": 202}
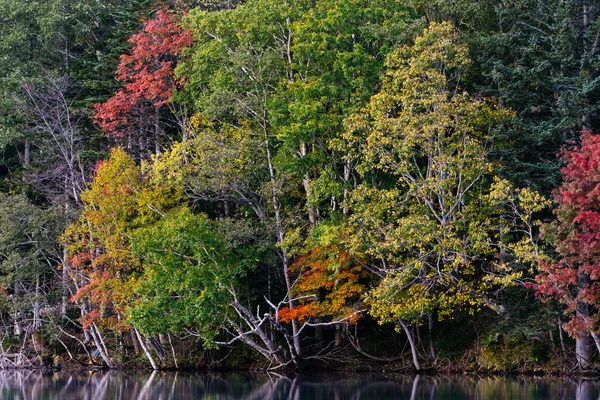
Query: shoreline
{"x": 589, "y": 374}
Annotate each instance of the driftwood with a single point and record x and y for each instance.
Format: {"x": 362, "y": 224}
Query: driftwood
{"x": 15, "y": 361}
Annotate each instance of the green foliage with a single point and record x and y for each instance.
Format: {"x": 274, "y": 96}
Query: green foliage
{"x": 336, "y": 156}
{"x": 338, "y": 50}
{"x": 188, "y": 272}
{"x": 434, "y": 213}
{"x": 149, "y": 260}
{"x": 29, "y": 247}
{"x": 540, "y": 60}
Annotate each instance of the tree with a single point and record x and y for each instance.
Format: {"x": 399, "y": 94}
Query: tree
{"x": 237, "y": 62}
{"x": 104, "y": 269}
{"x": 29, "y": 252}
{"x": 189, "y": 271}
{"x": 334, "y": 60}
{"x": 287, "y": 83}
{"x": 430, "y": 215}
{"x": 148, "y": 72}
{"x": 62, "y": 38}
{"x": 54, "y": 121}
{"x": 30, "y": 34}
{"x": 572, "y": 279}
{"x": 329, "y": 280}
{"x": 143, "y": 260}
{"x": 541, "y": 60}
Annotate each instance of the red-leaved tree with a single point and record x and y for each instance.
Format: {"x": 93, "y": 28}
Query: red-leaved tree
{"x": 135, "y": 111}
{"x": 574, "y": 279}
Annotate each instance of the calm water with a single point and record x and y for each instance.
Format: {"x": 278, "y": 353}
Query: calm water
{"x": 183, "y": 386}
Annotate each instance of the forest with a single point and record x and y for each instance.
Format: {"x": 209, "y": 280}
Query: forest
{"x": 399, "y": 185}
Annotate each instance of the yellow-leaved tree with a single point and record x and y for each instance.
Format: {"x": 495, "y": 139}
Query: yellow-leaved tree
{"x": 440, "y": 228}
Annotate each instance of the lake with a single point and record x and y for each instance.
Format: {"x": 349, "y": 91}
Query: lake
{"x": 33, "y": 385}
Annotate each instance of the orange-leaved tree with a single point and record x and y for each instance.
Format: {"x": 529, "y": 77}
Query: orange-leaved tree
{"x": 329, "y": 282}
{"x": 104, "y": 270}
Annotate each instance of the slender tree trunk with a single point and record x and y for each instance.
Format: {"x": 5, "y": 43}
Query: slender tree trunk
{"x": 413, "y": 345}
{"x": 173, "y": 351}
{"x": 318, "y": 335}
{"x": 17, "y": 321}
{"x": 280, "y": 239}
{"x": 87, "y": 337}
{"x": 27, "y": 154}
{"x": 338, "y": 336}
{"x": 297, "y": 348}
{"x": 66, "y": 268}
{"x": 432, "y": 348}
{"x": 36, "y": 305}
{"x": 134, "y": 340}
{"x": 146, "y": 351}
{"x": 347, "y": 173}
{"x": 561, "y": 338}
{"x": 99, "y": 342}
{"x": 306, "y": 182}
{"x": 583, "y": 344}
{"x": 158, "y": 349}
{"x": 163, "y": 340}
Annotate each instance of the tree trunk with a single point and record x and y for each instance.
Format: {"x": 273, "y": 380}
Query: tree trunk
{"x": 347, "y": 173}
{"x": 596, "y": 340}
{"x": 280, "y": 240}
{"x": 583, "y": 350}
{"x": 36, "y": 305}
{"x": 16, "y": 321}
{"x": 306, "y": 182}
{"x": 99, "y": 342}
{"x": 66, "y": 267}
{"x": 432, "y": 349}
{"x": 27, "y": 154}
{"x": 413, "y": 345}
{"x": 134, "y": 340}
{"x": 561, "y": 338}
{"x": 158, "y": 349}
{"x": 173, "y": 351}
{"x": 583, "y": 343}
{"x": 146, "y": 351}
{"x": 338, "y": 336}
{"x": 318, "y": 335}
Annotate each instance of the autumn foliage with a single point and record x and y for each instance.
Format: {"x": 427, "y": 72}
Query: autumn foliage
{"x": 120, "y": 200}
{"x": 574, "y": 279}
{"x": 100, "y": 257}
{"x": 330, "y": 283}
{"x": 147, "y": 74}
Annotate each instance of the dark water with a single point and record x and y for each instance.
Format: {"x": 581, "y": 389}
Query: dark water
{"x": 183, "y": 386}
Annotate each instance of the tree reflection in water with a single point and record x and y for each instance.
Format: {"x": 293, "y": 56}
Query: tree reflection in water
{"x": 100, "y": 385}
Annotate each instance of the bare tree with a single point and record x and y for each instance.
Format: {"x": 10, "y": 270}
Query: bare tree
{"x": 59, "y": 141}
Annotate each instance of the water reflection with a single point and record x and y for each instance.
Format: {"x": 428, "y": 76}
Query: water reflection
{"x": 30, "y": 385}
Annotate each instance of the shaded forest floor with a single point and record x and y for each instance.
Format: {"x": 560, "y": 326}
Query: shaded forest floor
{"x": 485, "y": 346}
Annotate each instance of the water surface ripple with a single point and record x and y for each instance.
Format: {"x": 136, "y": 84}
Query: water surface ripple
{"x": 101, "y": 385}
